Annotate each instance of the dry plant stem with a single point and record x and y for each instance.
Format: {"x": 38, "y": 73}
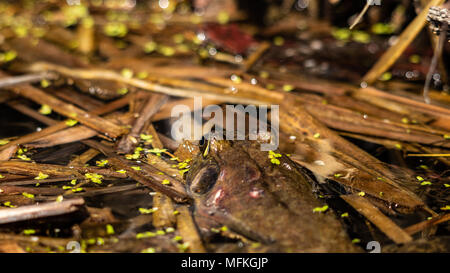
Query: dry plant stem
{"x": 165, "y": 111}
{"x": 81, "y": 100}
{"x": 8, "y": 246}
{"x": 428, "y": 155}
{"x": 29, "y": 78}
{"x": 156, "y": 143}
{"x": 18, "y": 190}
{"x": 175, "y": 71}
{"x": 40, "y": 211}
{"x": 69, "y": 110}
{"x": 390, "y": 144}
{"x": 347, "y": 120}
{"x": 188, "y": 230}
{"x": 152, "y": 106}
{"x": 149, "y": 176}
{"x": 54, "y": 125}
{"x": 368, "y": 94}
{"x": 163, "y": 217}
{"x": 411, "y": 230}
{"x": 85, "y": 36}
{"x": 84, "y": 158}
{"x": 395, "y": 51}
{"x": 360, "y": 15}
{"x": 33, "y": 169}
{"x": 299, "y": 123}
{"x": 255, "y": 56}
{"x": 164, "y": 166}
{"x": 33, "y": 181}
{"x": 97, "y": 74}
{"x": 78, "y": 133}
{"x": 7, "y": 153}
{"x": 363, "y": 206}
{"x": 52, "y": 242}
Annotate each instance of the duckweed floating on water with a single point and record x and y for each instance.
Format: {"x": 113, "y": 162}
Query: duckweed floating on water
{"x": 288, "y": 88}
{"x": 71, "y": 122}
{"x": 8, "y": 56}
{"x": 115, "y": 29}
{"x": 127, "y": 73}
{"x": 147, "y": 234}
{"x": 8, "y": 204}
{"x": 223, "y": 17}
{"x": 341, "y": 34}
{"x": 29, "y": 231}
{"x": 360, "y": 37}
{"x": 3, "y": 142}
{"x": 109, "y": 229}
{"x": 386, "y": 76}
{"x": 148, "y": 250}
{"x": 101, "y": 163}
{"x": 274, "y": 157}
{"x": 24, "y": 157}
{"x": 28, "y": 195}
{"x": 165, "y": 182}
{"x": 94, "y": 177}
{"x": 41, "y": 176}
{"x": 122, "y": 91}
{"x": 147, "y": 211}
{"x": 278, "y": 41}
{"x": 320, "y": 209}
{"x": 45, "y": 83}
{"x": 45, "y": 109}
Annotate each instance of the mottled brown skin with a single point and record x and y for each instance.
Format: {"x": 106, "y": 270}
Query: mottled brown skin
{"x": 237, "y": 185}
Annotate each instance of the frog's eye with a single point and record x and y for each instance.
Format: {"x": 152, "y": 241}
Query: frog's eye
{"x": 205, "y": 179}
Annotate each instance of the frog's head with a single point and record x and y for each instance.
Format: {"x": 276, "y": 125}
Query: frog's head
{"x": 227, "y": 186}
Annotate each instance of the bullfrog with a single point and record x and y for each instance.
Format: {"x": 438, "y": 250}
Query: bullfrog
{"x": 263, "y": 196}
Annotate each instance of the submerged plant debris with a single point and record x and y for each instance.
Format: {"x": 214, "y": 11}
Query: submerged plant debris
{"x": 88, "y": 162}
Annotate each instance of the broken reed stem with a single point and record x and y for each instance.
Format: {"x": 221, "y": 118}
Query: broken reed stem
{"x": 374, "y": 215}
{"x": 38, "y": 211}
{"x": 411, "y": 230}
{"x": 69, "y": 110}
{"x": 254, "y": 57}
{"x": 29, "y": 78}
{"x": 152, "y": 106}
{"x": 149, "y": 176}
{"x": 98, "y": 74}
{"x": 428, "y": 155}
{"x": 395, "y": 51}
{"x": 188, "y": 230}
{"x": 361, "y": 14}
{"x": 54, "y": 125}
